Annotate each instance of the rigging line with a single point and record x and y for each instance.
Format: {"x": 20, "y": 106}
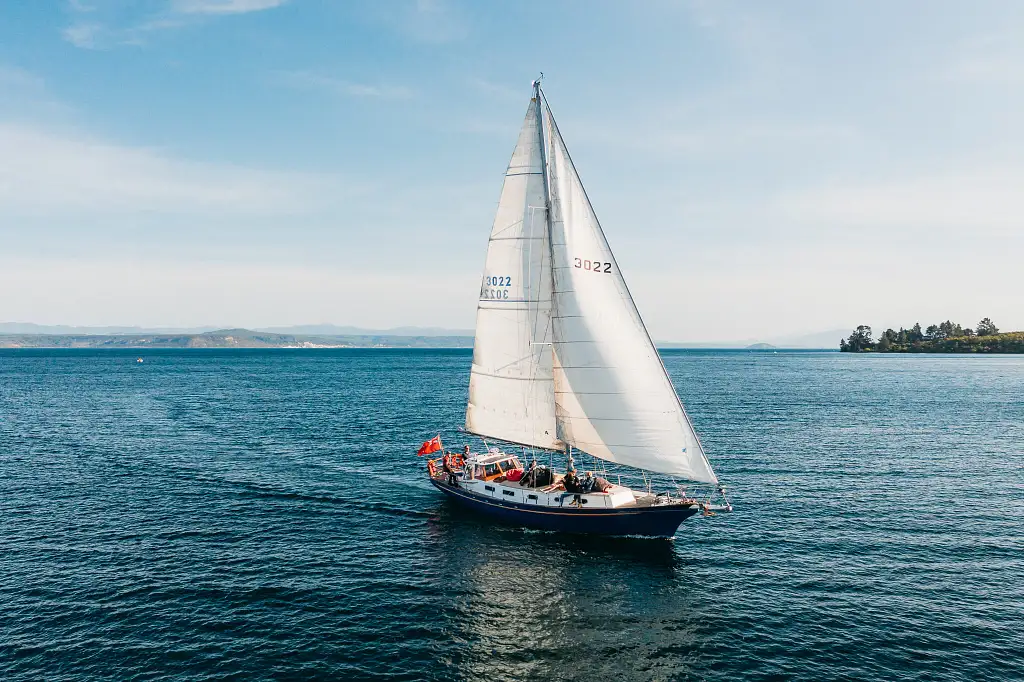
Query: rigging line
{"x": 514, "y": 362}
{"x": 604, "y": 238}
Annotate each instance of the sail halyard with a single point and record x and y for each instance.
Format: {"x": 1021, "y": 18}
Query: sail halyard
{"x": 510, "y": 392}
{"x": 613, "y": 396}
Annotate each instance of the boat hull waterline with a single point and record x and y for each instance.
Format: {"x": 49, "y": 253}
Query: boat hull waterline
{"x": 659, "y": 521}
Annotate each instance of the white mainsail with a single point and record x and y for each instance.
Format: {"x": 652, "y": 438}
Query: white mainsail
{"x": 510, "y": 386}
{"x": 613, "y": 397}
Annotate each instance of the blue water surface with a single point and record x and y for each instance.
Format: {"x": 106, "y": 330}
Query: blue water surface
{"x": 236, "y": 514}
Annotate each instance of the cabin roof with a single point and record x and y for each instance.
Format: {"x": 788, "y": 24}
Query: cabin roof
{"x": 489, "y": 457}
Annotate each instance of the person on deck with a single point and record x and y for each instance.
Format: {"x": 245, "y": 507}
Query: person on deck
{"x": 446, "y": 465}
{"x": 571, "y": 482}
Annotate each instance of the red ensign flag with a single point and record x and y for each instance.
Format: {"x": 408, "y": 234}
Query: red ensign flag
{"x": 432, "y": 445}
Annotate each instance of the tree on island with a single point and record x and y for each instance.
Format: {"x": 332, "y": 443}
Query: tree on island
{"x": 859, "y": 340}
{"x": 987, "y": 328}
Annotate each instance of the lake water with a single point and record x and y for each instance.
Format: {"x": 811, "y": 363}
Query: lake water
{"x": 247, "y": 515}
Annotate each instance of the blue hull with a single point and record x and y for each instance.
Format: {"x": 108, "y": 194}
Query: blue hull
{"x": 657, "y": 522}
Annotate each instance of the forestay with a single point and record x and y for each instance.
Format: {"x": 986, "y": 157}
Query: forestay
{"x": 510, "y": 388}
{"x": 613, "y": 398}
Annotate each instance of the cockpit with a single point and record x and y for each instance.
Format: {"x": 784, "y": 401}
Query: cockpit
{"x": 493, "y": 466}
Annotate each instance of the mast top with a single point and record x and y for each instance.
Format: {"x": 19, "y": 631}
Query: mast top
{"x": 536, "y": 83}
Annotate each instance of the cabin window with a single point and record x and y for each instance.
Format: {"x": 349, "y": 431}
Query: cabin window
{"x": 531, "y": 497}
{"x": 489, "y": 488}
{"x": 508, "y": 492}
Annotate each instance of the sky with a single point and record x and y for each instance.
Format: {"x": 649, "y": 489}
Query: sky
{"x": 760, "y": 169}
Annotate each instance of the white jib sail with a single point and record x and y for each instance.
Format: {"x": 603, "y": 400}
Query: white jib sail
{"x": 510, "y": 386}
{"x": 613, "y": 398}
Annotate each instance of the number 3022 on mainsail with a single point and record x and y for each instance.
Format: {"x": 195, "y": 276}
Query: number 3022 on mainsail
{"x": 562, "y": 363}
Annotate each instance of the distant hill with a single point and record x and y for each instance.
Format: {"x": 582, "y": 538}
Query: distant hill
{"x": 761, "y": 346}
{"x": 305, "y": 329}
{"x": 229, "y": 338}
{"x": 335, "y": 330}
{"x": 30, "y": 328}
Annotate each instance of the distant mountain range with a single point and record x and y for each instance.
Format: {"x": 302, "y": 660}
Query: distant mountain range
{"x": 314, "y": 329}
{"x": 24, "y": 334}
{"x": 30, "y": 328}
{"x": 335, "y": 330}
{"x": 229, "y": 338}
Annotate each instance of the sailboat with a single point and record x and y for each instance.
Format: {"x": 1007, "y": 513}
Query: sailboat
{"x": 562, "y": 363}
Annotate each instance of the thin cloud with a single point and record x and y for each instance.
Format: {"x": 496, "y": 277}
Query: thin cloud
{"x": 313, "y": 81}
{"x": 14, "y": 77}
{"x": 988, "y": 201}
{"x": 497, "y": 90}
{"x": 94, "y": 36}
{"x": 100, "y": 35}
{"x": 225, "y": 6}
{"x": 434, "y": 22}
{"x": 150, "y": 291}
{"x": 43, "y": 172}
{"x": 86, "y": 35}
{"x": 992, "y": 59}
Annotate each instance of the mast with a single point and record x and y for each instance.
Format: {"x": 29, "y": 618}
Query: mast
{"x": 537, "y": 95}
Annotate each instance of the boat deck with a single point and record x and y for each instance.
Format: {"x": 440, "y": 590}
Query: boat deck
{"x": 555, "y": 495}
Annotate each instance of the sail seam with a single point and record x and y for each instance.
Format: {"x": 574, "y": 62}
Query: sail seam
{"x": 502, "y": 376}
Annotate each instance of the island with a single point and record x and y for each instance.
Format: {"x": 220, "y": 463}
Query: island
{"x": 945, "y": 337}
